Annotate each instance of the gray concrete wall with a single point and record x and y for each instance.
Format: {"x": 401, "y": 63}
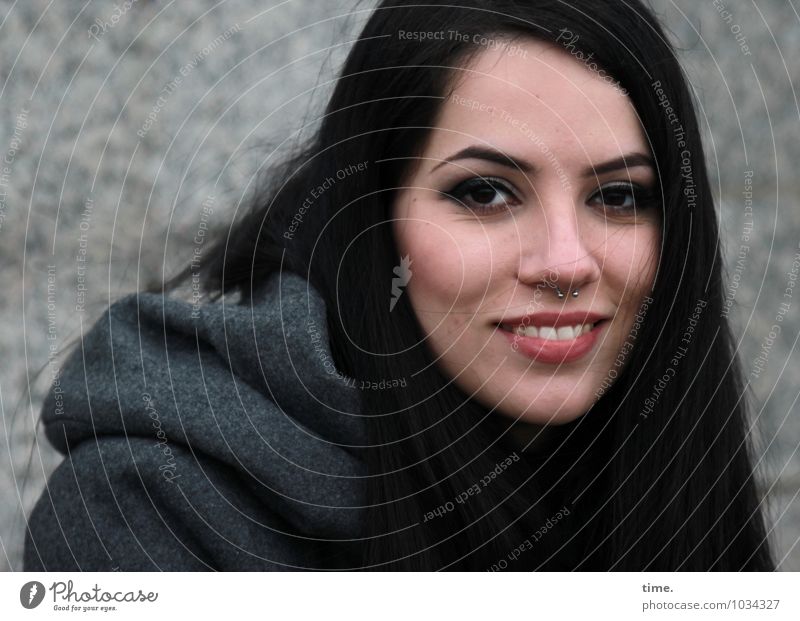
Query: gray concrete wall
{"x": 73, "y": 95}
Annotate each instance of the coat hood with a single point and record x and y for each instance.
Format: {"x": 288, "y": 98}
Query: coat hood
{"x": 252, "y": 387}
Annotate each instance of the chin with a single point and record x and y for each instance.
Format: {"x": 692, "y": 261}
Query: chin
{"x": 562, "y": 417}
{"x": 538, "y": 409}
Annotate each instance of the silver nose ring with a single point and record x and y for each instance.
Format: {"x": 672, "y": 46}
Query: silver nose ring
{"x": 561, "y": 294}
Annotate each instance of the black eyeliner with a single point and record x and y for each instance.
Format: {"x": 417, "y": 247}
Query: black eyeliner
{"x": 458, "y": 192}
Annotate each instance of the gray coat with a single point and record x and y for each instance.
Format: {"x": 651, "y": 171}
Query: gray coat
{"x": 218, "y": 436}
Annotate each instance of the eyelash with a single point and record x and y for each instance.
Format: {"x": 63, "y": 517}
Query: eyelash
{"x": 642, "y": 197}
{"x": 461, "y": 190}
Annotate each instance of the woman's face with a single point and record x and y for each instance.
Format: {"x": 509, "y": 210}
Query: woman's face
{"x": 522, "y": 186}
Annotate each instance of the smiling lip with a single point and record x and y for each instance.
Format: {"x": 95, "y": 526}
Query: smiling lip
{"x": 552, "y": 351}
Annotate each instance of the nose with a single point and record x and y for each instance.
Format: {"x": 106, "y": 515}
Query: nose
{"x": 558, "y": 249}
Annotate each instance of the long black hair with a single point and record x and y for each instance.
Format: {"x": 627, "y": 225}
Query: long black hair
{"x": 658, "y": 474}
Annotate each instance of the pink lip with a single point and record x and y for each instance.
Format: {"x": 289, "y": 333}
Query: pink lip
{"x": 551, "y": 351}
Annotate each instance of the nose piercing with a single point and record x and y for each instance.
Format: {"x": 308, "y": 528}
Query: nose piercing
{"x": 561, "y": 294}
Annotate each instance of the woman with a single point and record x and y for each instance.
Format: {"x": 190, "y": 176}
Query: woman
{"x": 480, "y": 328}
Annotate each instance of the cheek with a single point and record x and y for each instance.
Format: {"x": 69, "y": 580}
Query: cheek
{"x": 436, "y": 267}
{"x": 630, "y": 261}
{"x": 451, "y": 266}
{"x": 630, "y": 271}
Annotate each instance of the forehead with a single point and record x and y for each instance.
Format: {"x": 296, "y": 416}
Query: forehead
{"x": 532, "y": 95}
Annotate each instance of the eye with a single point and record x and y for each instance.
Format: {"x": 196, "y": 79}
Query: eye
{"x": 623, "y": 198}
{"x": 482, "y": 195}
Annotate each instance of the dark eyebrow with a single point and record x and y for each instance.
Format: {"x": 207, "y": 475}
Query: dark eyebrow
{"x": 476, "y": 152}
{"x": 629, "y": 160}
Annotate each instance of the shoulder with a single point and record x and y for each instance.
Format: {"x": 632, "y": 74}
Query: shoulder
{"x": 125, "y": 504}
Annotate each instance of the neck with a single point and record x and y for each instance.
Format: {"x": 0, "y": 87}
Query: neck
{"x": 531, "y": 439}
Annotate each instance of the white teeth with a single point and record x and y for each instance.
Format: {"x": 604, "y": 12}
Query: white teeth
{"x": 548, "y": 332}
{"x": 564, "y": 333}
